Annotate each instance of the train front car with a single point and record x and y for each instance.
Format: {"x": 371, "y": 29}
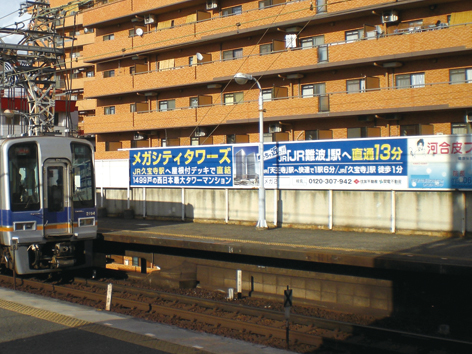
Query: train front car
{"x": 48, "y": 217}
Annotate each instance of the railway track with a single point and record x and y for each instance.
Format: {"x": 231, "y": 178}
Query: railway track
{"x": 306, "y": 333}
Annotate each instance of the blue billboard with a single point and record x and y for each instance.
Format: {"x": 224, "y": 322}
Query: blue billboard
{"x": 429, "y": 162}
{"x": 202, "y": 166}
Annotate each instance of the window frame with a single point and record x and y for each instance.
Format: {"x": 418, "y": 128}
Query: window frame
{"x": 109, "y": 110}
{"x": 230, "y": 99}
{"x": 410, "y": 78}
{"x": 170, "y": 105}
{"x": 321, "y": 86}
{"x": 265, "y": 49}
{"x": 235, "y": 54}
{"x": 109, "y": 37}
{"x": 230, "y": 11}
{"x": 360, "y": 86}
{"x": 466, "y": 76}
{"x": 108, "y": 73}
{"x": 359, "y": 34}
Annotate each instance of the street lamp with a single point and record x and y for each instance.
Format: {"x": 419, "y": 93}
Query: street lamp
{"x": 242, "y": 79}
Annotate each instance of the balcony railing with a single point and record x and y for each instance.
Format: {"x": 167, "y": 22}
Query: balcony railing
{"x": 438, "y": 96}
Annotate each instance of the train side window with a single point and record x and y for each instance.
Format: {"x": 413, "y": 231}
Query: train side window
{"x": 83, "y": 179}
{"x": 23, "y": 177}
{"x": 55, "y": 188}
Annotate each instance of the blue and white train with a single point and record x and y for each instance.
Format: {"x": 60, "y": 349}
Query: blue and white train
{"x": 48, "y": 211}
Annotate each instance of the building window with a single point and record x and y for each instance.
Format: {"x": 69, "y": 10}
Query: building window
{"x": 193, "y": 102}
{"x": 236, "y": 10}
{"x": 291, "y": 40}
{"x": 321, "y": 6}
{"x": 190, "y": 60}
{"x": 167, "y": 105}
{"x": 313, "y": 90}
{"x": 135, "y": 262}
{"x": 265, "y": 49}
{"x": 75, "y": 54}
{"x": 355, "y": 86}
{"x": 409, "y": 80}
{"x": 233, "y": 54}
{"x": 355, "y": 35}
{"x": 109, "y": 110}
{"x": 459, "y": 128}
{"x": 460, "y": 76}
{"x": 109, "y": 73}
{"x": 311, "y": 42}
{"x": 267, "y": 95}
{"x": 233, "y": 98}
{"x": 265, "y": 3}
{"x": 108, "y": 37}
{"x": 132, "y": 107}
{"x": 90, "y": 73}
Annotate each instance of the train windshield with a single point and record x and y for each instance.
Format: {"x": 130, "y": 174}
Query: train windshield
{"x": 23, "y": 177}
{"x": 83, "y": 179}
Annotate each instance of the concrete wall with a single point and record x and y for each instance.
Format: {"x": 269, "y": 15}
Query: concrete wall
{"x": 431, "y": 212}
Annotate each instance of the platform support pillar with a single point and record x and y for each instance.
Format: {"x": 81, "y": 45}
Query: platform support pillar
{"x": 183, "y": 204}
{"x": 394, "y": 216}
{"x": 276, "y": 204}
{"x": 464, "y": 219}
{"x": 330, "y": 209}
{"x": 144, "y": 202}
{"x": 227, "y": 205}
{"x": 127, "y": 197}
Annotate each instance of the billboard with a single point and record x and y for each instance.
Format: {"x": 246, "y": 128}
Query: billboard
{"x": 401, "y": 163}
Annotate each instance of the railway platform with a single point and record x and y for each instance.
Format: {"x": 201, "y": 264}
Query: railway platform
{"x": 52, "y": 326}
{"x": 421, "y": 253}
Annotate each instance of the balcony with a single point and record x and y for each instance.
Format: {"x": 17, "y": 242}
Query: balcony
{"x": 108, "y": 86}
{"x": 108, "y": 123}
{"x": 87, "y": 105}
{"x": 72, "y": 21}
{"x": 396, "y": 47}
{"x": 401, "y": 46}
{"x": 197, "y": 31}
{"x": 80, "y": 40}
{"x": 107, "y": 12}
{"x": 439, "y": 96}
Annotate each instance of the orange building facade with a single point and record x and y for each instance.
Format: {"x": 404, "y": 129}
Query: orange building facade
{"x": 160, "y": 73}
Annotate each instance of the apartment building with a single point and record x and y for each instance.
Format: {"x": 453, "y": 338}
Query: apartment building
{"x": 160, "y": 73}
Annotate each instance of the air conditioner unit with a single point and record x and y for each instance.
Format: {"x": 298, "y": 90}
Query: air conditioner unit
{"x": 148, "y": 19}
{"x": 199, "y": 132}
{"x": 275, "y": 128}
{"x": 211, "y": 4}
{"x": 389, "y": 16}
{"x": 76, "y": 71}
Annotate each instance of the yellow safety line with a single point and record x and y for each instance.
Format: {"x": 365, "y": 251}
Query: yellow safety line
{"x": 110, "y": 332}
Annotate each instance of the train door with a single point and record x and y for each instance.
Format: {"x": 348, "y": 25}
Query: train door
{"x": 57, "y": 206}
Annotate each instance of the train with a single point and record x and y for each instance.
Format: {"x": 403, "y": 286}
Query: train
{"x": 48, "y": 210}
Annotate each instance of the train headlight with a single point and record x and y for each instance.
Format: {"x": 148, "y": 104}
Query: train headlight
{"x": 86, "y": 222}
{"x": 24, "y": 226}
